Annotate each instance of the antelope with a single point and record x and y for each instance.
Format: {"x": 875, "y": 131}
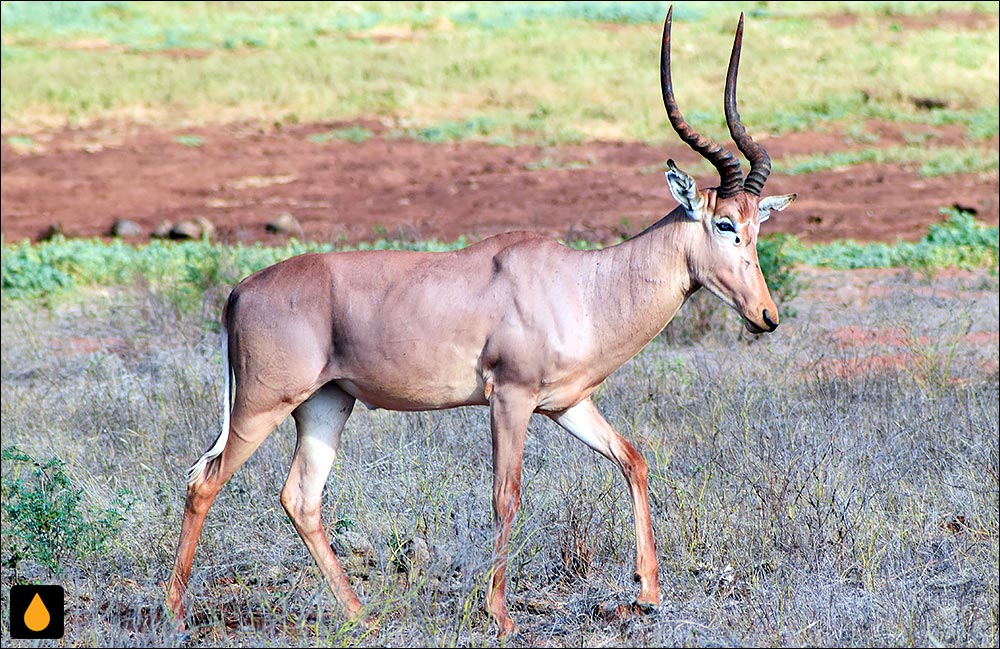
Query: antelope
{"x": 517, "y": 322}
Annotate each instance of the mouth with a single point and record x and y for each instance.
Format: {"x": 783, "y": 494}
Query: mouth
{"x": 754, "y": 328}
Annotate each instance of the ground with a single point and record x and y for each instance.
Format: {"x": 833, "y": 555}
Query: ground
{"x": 80, "y": 181}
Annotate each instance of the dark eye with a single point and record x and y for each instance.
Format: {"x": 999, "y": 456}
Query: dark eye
{"x": 724, "y": 226}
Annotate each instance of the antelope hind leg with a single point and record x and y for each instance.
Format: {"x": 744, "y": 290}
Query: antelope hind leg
{"x": 319, "y": 422}
{"x": 243, "y": 436}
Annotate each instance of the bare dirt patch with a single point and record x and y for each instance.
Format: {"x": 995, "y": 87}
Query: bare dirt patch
{"x": 240, "y": 178}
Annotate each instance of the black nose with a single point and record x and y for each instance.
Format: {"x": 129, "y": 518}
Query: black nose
{"x": 771, "y": 324}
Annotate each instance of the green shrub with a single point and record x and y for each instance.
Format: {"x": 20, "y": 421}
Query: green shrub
{"x": 26, "y": 273}
{"x": 184, "y": 271}
{"x": 778, "y": 267}
{"x": 43, "y": 519}
{"x": 356, "y": 134}
{"x": 958, "y": 242}
{"x": 451, "y": 131}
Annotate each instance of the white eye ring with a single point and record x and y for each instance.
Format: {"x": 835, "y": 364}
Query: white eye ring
{"x": 726, "y": 228}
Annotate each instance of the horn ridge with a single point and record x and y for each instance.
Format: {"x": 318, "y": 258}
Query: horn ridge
{"x": 760, "y": 161}
{"x": 730, "y": 173}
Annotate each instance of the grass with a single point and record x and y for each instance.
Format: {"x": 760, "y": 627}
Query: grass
{"x": 524, "y": 72}
{"x": 807, "y": 488}
{"x": 930, "y": 161}
{"x": 356, "y": 134}
{"x": 839, "y": 506}
{"x": 189, "y": 140}
{"x": 184, "y": 270}
{"x": 959, "y": 242}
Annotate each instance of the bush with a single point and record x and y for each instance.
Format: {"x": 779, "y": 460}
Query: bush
{"x": 958, "y": 242}
{"x": 42, "y": 517}
{"x": 778, "y": 267}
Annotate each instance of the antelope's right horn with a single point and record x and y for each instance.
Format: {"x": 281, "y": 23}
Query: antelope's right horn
{"x": 730, "y": 174}
{"x": 760, "y": 162}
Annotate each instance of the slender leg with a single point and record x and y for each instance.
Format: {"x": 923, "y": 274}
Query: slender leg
{"x": 585, "y": 423}
{"x": 509, "y": 415}
{"x": 245, "y": 434}
{"x": 319, "y": 421}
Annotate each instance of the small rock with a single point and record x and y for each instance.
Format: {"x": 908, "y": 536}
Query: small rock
{"x": 928, "y": 103}
{"x": 162, "y": 231}
{"x": 417, "y": 552}
{"x": 356, "y": 553}
{"x": 276, "y": 573}
{"x": 284, "y": 223}
{"x": 125, "y": 228}
{"x": 54, "y": 230}
{"x": 197, "y": 228}
{"x": 207, "y": 227}
{"x": 185, "y": 230}
{"x": 412, "y": 556}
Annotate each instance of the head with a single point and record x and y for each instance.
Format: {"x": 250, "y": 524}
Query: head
{"x": 723, "y": 255}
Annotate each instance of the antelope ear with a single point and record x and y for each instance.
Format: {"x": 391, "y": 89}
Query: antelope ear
{"x": 776, "y": 203}
{"x": 685, "y": 192}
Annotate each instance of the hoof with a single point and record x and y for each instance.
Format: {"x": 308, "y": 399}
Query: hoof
{"x": 507, "y": 630}
{"x": 644, "y": 608}
{"x": 181, "y": 636}
{"x": 371, "y": 625}
{"x": 615, "y": 612}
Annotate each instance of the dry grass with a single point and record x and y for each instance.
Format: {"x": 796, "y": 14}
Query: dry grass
{"x": 806, "y": 489}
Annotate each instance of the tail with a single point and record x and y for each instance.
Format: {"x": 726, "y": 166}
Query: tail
{"x": 197, "y": 471}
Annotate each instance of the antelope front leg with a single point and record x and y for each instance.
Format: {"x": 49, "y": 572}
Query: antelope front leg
{"x": 509, "y": 415}
{"x": 585, "y": 423}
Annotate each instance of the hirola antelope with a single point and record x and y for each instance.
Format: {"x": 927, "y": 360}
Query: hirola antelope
{"x": 517, "y": 323}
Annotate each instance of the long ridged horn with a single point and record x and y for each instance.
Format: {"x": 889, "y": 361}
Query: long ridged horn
{"x": 760, "y": 162}
{"x": 730, "y": 174}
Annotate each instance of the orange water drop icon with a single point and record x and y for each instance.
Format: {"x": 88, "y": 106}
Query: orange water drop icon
{"x": 37, "y": 616}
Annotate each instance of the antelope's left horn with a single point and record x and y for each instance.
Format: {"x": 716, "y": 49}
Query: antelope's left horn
{"x": 760, "y": 162}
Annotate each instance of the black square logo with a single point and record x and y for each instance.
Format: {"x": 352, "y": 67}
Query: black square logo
{"x": 36, "y": 612}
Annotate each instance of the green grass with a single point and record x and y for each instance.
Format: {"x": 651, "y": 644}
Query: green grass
{"x": 354, "y": 134}
{"x": 450, "y": 131}
{"x": 189, "y": 140}
{"x": 522, "y": 72}
{"x": 929, "y": 161}
{"x": 186, "y": 269}
{"x": 959, "y": 242}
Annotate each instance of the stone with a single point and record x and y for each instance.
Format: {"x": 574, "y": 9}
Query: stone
{"x": 125, "y": 228}
{"x": 285, "y": 224}
{"x": 162, "y": 231}
{"x": 356, "y": 553}
{"x": 196, "y": 228}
